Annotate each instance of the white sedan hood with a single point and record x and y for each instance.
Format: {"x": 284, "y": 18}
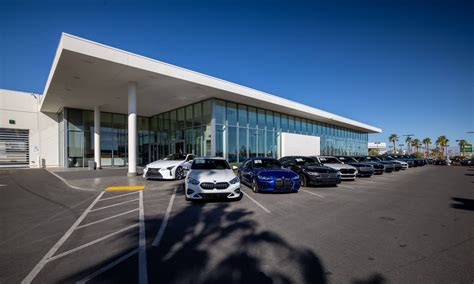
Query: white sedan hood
{"x": 212, "y": 175}
{"x": 339, "y": 166}
{"x": 164, "y": 164}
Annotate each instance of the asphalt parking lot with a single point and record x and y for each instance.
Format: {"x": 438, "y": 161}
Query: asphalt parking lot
{"x": 409, "y": 226}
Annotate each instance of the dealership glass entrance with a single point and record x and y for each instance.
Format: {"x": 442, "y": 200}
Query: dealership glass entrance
{"x": 210, "y": 127}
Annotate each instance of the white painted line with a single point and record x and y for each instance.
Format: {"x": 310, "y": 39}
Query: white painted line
{"x": 92, "y": 243}
{"x": 3, "y": 185}
{"x": 161, "y": 231}
{"x": 256, "y": 202}
{"x": 121, "y": 195}
{"x": 116, "y": 204}
{"x": 67, "y": 183}
{"x": 312, "y": 193}
{"x": 105, "y": 219}
{"x": 142, "y": 265}
{"x": 107, "y": 267}
{"x": 39, "y": 266}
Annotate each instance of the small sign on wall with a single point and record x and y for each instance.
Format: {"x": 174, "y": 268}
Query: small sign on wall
{"x": 11, "y": 121}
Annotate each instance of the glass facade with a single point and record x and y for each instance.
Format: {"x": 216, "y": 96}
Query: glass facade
{"x": 210, "y": 127}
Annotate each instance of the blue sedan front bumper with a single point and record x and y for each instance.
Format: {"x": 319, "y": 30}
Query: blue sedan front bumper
{"x": 278, "y": 185}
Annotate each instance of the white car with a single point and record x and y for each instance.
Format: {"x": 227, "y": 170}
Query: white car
{"x": 212, "y": 178}
{"x": 348, "y": 172}
{"x": 173, "y": 166}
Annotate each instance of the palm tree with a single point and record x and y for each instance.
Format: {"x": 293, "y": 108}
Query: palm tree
{"x": 393, "y": 138}
{"x": 408, "y": 142}
{"x": 462, "y": 143}
{"x": 427, "y": 142}
{"x": 416, "y": 143}
{"x": 442, "y": 141}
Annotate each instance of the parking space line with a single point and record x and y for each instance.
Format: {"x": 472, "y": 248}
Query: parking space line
{"x": 118, "y": 196}
{"x": 127, "y": 187}
{"x": 161, "y": 231}
{"x": 307, "y": 191}
{"x": 107, "y": 267}
{"x": 105, "y": 219}
{"x": 142, "y": 264}
{"x": 92, "y": 243}
{"x": 39, "y": 266}
{"x": 113, "y": 205}
{"x": 256, "y": 202}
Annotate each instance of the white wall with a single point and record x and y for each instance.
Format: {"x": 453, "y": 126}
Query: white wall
{"x": 299, "y": 145}
{"x": 43, "y": 127}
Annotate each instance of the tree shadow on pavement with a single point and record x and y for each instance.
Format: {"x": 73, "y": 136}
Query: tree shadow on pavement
{"x": 212, "y": 243}
{"x": 463, "y": 203}
{"x": 373, "y": 279}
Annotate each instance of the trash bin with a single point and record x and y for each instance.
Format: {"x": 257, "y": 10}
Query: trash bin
{"x": 92, "y": 165}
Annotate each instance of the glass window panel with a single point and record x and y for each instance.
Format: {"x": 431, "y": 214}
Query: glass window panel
{"x": 219, "y": 141}
{"x": 231, "y": 114}
{"x": 304, "y": 126}
{"x": 252, "y": 147}
{"x": 232, "y": 144}
{"x": 88, "y": 120}
{"x": 242, "y": 115}
{"x": 291, "y": 123}
{"x": 277, "y": 121}
{"x": 269, "y": 144}
{"x": 284, "y": 123}
{"x": 197, "y": 114}
{"x": 298, "y": 125}
{"x": 219, "y": 111}
{"x": 261, "y": 143}
{"x": 252, "y": 117}
{"x": 74, "y": 119}
{"x": 269, "y": 119}
{"x": 206, "y": 112}
{"x": 173, "y": 121}
{"x": 261, "y": 119}
{"x": 181, "y": 118}
{"x": 189, "y": 116}
{"x": 242, "y": 144}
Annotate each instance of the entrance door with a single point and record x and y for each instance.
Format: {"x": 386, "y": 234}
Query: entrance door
{"x": 153, "y": 152}
{"x": 177, "y": 147}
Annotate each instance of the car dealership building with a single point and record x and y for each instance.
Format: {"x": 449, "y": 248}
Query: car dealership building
{"x": 116, "y": 108}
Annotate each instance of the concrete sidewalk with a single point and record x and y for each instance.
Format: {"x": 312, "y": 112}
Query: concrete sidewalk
{"x": 98, "y": 179}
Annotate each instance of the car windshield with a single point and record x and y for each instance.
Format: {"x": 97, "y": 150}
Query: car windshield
{"x": 210, "y": 164}
{"x": 306, "y": 161}
{"x": 266, "y": 163}
{"x": 329, "y": 160}
{"x": 175, "y": 157}
{"x": 347, "y": 159}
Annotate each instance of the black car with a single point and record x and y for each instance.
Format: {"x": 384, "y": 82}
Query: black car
{"x": 311, "y": 172}
{"x": 467, "y": 162}
{"x": 388, "y": 167}
{"x": 440, "y": 162}
{"x": 363, "y": 169}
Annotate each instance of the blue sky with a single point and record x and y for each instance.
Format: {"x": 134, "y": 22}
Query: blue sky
{"x": 403, "y": 66}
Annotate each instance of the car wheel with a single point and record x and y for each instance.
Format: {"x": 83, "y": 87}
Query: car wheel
{"x": 179, "y": 173}
{"x": 254, "y": 186}
{"x": 303, "y": 181}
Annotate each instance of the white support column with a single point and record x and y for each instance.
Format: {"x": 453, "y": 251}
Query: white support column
{"x": 132, "y": 129}
{"x": 97, "y": 136}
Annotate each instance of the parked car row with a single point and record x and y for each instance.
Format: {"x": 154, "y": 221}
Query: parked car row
{"x": 214, "y": 178}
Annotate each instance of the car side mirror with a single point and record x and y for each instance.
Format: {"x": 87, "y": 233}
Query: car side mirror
{"x": 235, "y": 168}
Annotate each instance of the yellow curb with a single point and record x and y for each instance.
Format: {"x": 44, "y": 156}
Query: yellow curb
{"x": 128, "y": 187}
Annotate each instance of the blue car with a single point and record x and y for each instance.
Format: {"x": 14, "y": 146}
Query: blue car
{"x": 268, "y": 175}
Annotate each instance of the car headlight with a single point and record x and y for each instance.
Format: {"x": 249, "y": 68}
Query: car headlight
{"x": 265, "y": 178}
{"x": 234, "y": 180}
{"x": 296, "y": 177}
{"x": 193, "y": 181}
{"x": 313, "y": 174}
{"x": 338, "y": 174}
{"x": 170, "y": 168}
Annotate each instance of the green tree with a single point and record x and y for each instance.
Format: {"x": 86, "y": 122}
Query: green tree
{"x": 416, "y": 143}
{"x": 462, "y": 143}
{"x": 393, "y": 138}
{"x": 408, "y": 141}
{"x": 442, "y": 141}
{"x": 427, "y": 142}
